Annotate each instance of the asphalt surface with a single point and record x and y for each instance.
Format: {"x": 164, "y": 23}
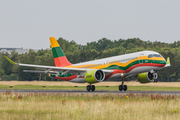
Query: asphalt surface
{"x": 86, "y": 92}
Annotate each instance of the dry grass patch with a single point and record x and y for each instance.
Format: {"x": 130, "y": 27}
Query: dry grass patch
{"x": 46, "y": 106}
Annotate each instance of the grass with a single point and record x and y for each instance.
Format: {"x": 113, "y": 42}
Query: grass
{"x": 110, "y": 88}
{"x": 64, "y": 83}
{"x": 55, "y": 106}
{"x": 57, "y": 85}
{"x": 153, "y": 88}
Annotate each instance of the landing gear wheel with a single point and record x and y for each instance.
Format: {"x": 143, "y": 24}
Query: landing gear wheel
{"x": 155, "y": 81}
{"x": 88, "y": 88}
{"x": 125, "y": 87}
{"x": 120, "y": 88}
{"x": 93, "y": 88}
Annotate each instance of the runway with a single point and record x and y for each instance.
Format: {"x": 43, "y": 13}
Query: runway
{"x": 86, "y": 92}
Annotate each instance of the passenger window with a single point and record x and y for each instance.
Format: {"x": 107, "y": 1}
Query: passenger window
{"x": 150, "y": 56}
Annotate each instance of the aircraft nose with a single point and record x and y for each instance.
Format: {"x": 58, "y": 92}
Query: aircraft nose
{"x": 164, "y": 61}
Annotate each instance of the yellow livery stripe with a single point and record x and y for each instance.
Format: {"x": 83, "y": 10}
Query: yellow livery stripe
{"x": 54, "y": 42}
{"x": 97, "y": 66}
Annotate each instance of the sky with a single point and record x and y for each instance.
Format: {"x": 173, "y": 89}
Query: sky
{"x": 29, "y": 24}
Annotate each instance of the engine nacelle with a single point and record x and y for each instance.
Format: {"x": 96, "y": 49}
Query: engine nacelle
{"x": 147, "y": 77}
{"x": 94, "y": 76}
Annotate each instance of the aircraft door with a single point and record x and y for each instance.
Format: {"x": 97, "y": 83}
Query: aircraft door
{"x": 107, "y": 63}
{"x": 153, "y": 61}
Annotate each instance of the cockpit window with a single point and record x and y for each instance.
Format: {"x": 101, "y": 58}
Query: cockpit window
{"x": 150, "y": 56}
{"x": 154, "y": 55}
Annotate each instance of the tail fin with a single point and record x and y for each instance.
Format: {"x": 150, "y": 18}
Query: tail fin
{"x": 168, "y": 62}
{"x": 60, "y": 59}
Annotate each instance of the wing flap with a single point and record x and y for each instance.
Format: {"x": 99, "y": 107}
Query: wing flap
{"x": 36, "y": 71}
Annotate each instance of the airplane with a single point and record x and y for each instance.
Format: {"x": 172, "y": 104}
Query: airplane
{"x": 144, "y": 65}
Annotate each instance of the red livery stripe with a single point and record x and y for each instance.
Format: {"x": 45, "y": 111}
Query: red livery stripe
{"x": 61, "y": 61}
{"x": 116, "y": 71}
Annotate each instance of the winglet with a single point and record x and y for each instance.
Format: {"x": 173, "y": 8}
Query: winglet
{"x": 168, "y": 62}
{"x": 12, "y": 62}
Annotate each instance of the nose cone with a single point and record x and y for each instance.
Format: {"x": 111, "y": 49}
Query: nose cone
{"x": 163, "y": 62}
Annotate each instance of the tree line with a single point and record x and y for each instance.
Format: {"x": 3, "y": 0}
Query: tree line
{"x": 102, "y": 48}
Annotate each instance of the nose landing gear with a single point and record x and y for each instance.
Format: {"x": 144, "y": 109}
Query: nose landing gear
{"x": 122, "y": 86}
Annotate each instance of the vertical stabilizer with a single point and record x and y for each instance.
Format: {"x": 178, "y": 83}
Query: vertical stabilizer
{"x": 60, "y": 59}
{"x": 168, "y": 62}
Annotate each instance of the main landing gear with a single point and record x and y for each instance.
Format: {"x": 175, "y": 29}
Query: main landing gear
{"x": 122, "y": 86}
{"x": 155, "y": 81}
{"x": 90, "y": 88}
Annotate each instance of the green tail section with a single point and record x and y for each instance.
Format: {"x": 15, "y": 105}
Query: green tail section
{"x": 60, "y": 59}
{"x": 57, "y": 52}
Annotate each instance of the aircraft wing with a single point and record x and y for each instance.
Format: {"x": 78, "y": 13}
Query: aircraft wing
{"x": 40, "y": 71}
{"x": 63, "y": 70}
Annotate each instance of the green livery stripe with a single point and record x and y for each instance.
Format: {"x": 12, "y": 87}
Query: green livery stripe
{"x": 117, "y": 67}
{"x": 134, "y": 63}
{"x": 65, "y": 75}
{"x": 57, "y": 52}
{"x": 159, "y": 62}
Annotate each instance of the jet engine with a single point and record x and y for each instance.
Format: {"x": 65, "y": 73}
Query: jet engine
{"x": 147, "y": 77}
{"x": 94, "y": 76}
